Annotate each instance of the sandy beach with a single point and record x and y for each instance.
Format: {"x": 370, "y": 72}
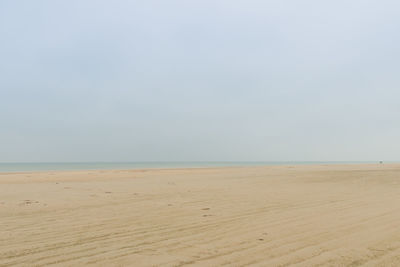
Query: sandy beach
{"x": 320, "y": 215}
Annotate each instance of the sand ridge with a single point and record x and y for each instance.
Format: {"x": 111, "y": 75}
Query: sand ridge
{"x": 320, "y": 215}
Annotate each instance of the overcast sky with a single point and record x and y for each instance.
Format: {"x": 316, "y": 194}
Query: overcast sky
{"x": 101, "y": 80}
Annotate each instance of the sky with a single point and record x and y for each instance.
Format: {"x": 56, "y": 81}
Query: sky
{"x": 207, "y": 80}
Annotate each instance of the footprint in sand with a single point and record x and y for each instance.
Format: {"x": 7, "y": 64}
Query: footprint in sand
{"x": 28, "y": 202}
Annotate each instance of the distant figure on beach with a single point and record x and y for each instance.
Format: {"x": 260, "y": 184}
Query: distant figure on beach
{"x": 380, "y": 162}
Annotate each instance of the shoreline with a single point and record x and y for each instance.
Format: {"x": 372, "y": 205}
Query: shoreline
{"x": 124, "y": 174}
{"x": 196, "y": 165}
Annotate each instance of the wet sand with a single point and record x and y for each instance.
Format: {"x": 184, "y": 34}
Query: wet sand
{"x": 321, "y": 215}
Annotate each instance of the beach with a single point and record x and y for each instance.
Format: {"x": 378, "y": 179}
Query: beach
{"x": 300, "y": 215}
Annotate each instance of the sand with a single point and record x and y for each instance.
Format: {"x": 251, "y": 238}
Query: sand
{"x": 327, "y": 215}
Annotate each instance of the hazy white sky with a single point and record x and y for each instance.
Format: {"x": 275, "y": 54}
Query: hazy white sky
{"x": 101, "y": 80}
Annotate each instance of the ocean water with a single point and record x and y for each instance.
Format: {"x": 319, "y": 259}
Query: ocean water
{"x": 65, "y": 166}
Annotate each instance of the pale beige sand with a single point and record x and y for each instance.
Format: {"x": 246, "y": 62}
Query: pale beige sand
{"x": 334, "y": 215}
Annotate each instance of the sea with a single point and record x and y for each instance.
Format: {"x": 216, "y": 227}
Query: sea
{"x": 70, "y": 166}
